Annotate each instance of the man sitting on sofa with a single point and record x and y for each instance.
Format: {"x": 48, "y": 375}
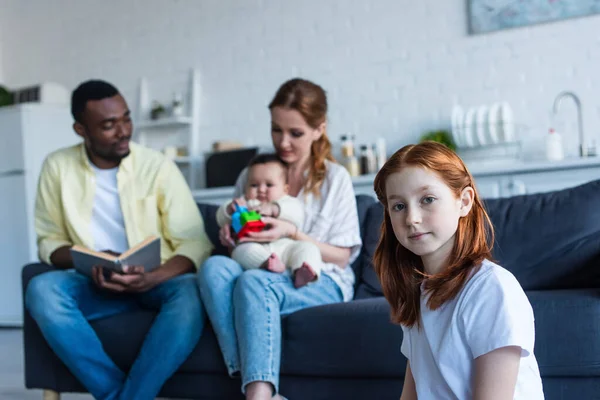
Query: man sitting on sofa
{"x": 108, "y": 194}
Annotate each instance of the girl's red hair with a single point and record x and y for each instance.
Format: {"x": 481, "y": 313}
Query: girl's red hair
{"x": 399, "y": 270}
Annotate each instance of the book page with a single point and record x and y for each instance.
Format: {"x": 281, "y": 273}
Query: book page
{"x": 146, "y": 254}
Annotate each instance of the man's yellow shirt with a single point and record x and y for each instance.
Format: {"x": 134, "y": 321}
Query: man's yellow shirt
{"x": 155, "y": 200}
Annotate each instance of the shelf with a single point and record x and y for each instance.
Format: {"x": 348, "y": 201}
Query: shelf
{"x": 186, "y": 159}
{"x": 169, "y": 122}
{"x": 170, "y": 130}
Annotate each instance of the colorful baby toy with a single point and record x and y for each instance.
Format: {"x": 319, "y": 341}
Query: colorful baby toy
{"x": 244, "y": 221}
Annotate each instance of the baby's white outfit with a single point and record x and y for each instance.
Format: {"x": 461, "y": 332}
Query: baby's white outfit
{"x": 293, "y": 253}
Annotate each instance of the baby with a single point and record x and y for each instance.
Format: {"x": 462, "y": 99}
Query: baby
{"x": 266, "y": 191}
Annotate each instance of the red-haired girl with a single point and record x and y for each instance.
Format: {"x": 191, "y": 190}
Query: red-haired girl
{"x": 468, "y": 326}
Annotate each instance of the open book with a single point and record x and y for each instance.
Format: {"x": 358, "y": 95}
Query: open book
{"x": 146, "y": 254}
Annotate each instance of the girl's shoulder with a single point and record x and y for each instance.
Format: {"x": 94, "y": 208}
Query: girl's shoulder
{"x": 491, "y": 282}
{"x": 494, "y": 312}
{"x": 491, "y": 273}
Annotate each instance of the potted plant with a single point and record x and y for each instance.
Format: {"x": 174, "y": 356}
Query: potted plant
{"x": 6, "y": 97}
{"x": 157, "y": 111}
{"x": 441, "y": 136}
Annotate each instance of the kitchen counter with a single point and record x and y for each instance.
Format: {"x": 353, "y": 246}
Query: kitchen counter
{"x": 479, "y": 169}
{"x": 519, "y": 166}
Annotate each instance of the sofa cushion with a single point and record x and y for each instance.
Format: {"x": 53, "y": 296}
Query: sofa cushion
{"x": 354, "y": 339}
{"x": 550, "y": 240}
{"x": 335, "y": 332}
{"x": 368, "y": 285}
{"x": 363, "y": 202}
{"x": 567, "y": 324}
{"x": 209, "y": 215}
{"x": 547, "y": 240}
{"x": 123, "y": 334}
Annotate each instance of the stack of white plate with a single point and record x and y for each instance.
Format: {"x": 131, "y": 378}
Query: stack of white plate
{"x": 483, "y": 125}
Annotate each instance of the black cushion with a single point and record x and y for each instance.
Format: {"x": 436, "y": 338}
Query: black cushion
{"x": 567, "y": 325}
{"x": 547, "y": 240}
{"x": 550, "y": 240}
{"x": 354, "y": 339}
{"x": 369, "y": 285}
{"x": 209, "y": 215}
{"x": 363, "y": 202}
{"x": 335, "y": 332}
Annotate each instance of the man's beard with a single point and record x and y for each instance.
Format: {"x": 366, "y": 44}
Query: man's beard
{"x": 108, "y": 154}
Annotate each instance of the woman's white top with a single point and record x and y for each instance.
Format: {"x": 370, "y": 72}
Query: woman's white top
{"x": 331, "y": 218}
{"x": 490, "y": 312}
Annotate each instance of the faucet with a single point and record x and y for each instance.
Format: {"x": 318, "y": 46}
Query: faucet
{"x": 584, "y": 150}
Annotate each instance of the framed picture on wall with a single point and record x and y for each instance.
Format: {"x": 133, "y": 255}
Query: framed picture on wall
{"x": 493, "y": 15}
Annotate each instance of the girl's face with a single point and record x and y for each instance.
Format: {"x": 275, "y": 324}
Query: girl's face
{"x": 292, "y": 136}
{"x": 424, "y": 213}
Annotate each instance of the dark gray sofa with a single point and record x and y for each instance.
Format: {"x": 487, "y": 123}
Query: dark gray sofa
{"x": 551, "y": 242}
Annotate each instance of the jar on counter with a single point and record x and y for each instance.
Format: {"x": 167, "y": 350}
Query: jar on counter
{"x": 367, "y": 160}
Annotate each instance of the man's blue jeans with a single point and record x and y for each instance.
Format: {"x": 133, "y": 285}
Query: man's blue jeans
{"x": 63, "y": 303}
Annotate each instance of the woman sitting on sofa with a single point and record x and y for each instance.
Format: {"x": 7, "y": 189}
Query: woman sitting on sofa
{"x": 245, "y": 307}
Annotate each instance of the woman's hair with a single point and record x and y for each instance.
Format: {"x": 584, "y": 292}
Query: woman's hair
{"x": 400, "y": 271}
{"x": 310, "y": 100}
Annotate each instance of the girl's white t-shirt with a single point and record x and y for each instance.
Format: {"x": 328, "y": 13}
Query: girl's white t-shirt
{"x": 490, "y": 312}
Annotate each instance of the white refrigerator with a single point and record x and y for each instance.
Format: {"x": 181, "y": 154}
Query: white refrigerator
{"x": 28, "y": 133}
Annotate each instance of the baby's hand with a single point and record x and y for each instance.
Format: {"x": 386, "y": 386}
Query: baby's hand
{"x": 253, "y": 204}
{"x": 231, "y": 207}
{"x": 268, "y": 210}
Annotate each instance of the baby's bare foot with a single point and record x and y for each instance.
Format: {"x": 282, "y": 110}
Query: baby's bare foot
{"x": 274, "y": 264}
{"x": 304, "y": 275}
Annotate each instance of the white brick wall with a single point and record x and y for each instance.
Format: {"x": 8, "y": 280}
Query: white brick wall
{"x": 1, "y": 64}
{"x": 391, "y": 67}
{"x": 3, "y": 16}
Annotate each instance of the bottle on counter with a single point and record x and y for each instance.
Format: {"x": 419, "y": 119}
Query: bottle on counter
{"x": 344, "y": 147}
{"x": 368, "y": 161}
{"x": 177, "y": 105}
{"x": 373, "y": 159}
{"x": 353, "y": 166}
{"x": 365, "y": 163}
{"x": 380, "y": 153}
{"x": 349, "y": 160}
{"x": 554, "y": 147}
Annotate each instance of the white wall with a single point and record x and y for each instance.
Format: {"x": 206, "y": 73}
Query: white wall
{"x": 3, "y": 16}
{"x": 1, "y": 59}
{"x": 391, "y": 67}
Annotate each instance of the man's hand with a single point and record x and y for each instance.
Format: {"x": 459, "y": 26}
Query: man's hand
{"x": 132, "y": 280}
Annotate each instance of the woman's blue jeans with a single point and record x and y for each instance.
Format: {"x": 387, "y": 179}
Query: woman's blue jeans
{"x": 245, "y": 309}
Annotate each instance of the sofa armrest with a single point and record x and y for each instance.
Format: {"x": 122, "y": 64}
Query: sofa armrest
{"x": 42, "y": 366}
{"x": 32, "y": 270}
